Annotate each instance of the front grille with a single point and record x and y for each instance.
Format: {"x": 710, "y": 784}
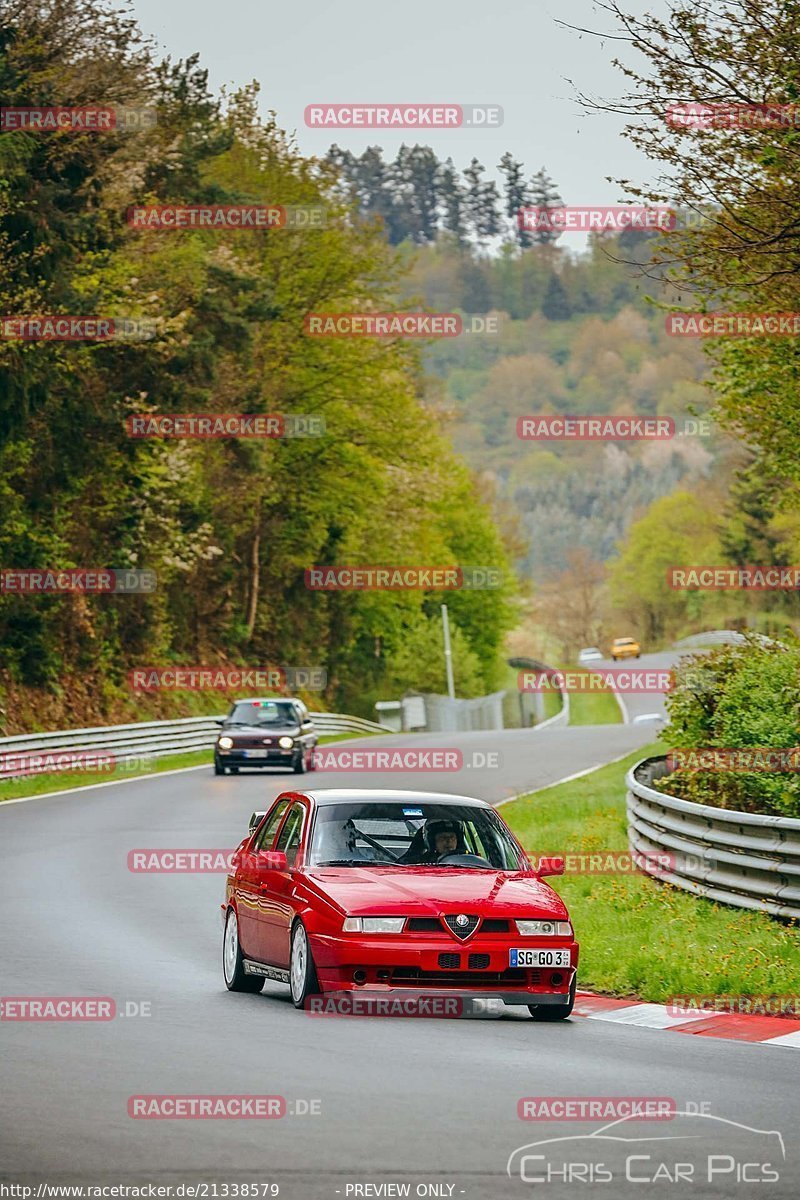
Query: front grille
{"x": 461, "y": 931}
{"x": 494, "y": 925}
{"x": 424, "y": 925}
{"x": 253, "y": 743}
{"x": 477, "y": 962}
{"x": 515, "y": 977}
{"x": 450, "y": 962}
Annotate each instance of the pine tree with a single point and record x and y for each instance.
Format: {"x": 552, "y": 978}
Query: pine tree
{"x": 544, "y": 195}
{"x": 482, "y": 203}
{"x": 452, "y": 201}
{"x": 556, "y": 305}
{"x": 517, "y": 195}
{"x": 414, "y": 175}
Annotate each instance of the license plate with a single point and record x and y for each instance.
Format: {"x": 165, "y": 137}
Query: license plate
{"x": 538, "y": 958}
{"x": 256, "y": 753}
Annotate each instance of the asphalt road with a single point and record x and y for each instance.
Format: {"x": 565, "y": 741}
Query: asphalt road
{"x": 642, "y": 704}
{"x": 413, "y": 1102}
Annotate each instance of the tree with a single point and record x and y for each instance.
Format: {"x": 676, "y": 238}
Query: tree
{"x": 453, "y": 201}
{"x": 735, "y": 177}
{"x": 677, "y": 531}
{"x": 543, "y": 196}
{"x": 556, "y": 305}
{"x": 481, "y": 203}
{"x": 517, "y": 196}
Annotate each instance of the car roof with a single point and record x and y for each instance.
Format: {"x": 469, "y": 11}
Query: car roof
{"x": 265, "y": 700}
{"x": 389, "y": 796}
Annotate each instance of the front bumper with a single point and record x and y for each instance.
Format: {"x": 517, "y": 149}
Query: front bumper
{"x": 442, "y": 966}
{"x": 273, "y": 757}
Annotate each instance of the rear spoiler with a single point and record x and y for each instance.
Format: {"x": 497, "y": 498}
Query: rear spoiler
{"x": 256, "y": 819}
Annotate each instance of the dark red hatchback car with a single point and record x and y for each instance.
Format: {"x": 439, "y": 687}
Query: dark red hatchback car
{"x": 392, "y": 893}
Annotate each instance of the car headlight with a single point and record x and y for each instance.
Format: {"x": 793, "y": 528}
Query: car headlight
{"x": 286, "y": 743}
{"x": 225, "y": 743}
{"x": 373, "y": 924}
{"x": 544, "y": 928}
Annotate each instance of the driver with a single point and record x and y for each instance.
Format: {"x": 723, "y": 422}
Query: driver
{"x": 443, "y": 837}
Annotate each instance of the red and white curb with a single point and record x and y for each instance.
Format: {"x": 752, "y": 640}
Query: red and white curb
{"x": 740, "y": 1027}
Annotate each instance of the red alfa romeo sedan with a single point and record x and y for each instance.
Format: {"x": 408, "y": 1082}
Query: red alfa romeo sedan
{"x": 395, "y": 893}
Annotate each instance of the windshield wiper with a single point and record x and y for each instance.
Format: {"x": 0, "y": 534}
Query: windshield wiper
{"x": 342, "y": 862}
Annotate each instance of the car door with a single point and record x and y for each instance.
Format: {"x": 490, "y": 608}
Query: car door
{"x": 278, "y": 899}
{"x": 250, "y": 896}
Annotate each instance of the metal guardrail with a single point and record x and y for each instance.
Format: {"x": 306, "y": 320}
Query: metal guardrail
{"x": 146, "y": 739}
{"x": 743, "y": 859}
{"x": 535, "y": 664}
{"x": 717, "y": 637}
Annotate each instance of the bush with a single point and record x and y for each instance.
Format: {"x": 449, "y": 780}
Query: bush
{"x": 737, "y": 697}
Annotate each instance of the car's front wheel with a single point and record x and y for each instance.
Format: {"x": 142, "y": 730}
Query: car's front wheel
{"x": 302, "y": 972}
{"x": 555, "y": 1012}
{"x": 300, "y": 762}
{"x": 218, "y": 767}
{"x": 232, "y": 961}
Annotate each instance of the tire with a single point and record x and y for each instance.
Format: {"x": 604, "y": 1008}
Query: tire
{"x": 218, "y": 767}
{"x": 300, "y": 763}
{"x": 303, "y": 980}
{"x": 232, "y": 964}
{"x": 312, "y": 762}
{"x": 555, "y": 1012}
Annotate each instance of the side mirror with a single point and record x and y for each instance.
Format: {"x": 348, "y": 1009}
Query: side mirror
{"x": 550, "y": 866}
{"x": 219, "y": 721}
{"x": 272, "y": 860}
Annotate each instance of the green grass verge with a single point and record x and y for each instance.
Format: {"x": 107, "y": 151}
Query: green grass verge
{"x": 594, "y": 708}
{"x": 36, "y": 785}
{"x": 552, "y": 705}
{"x": 641, "y": 938}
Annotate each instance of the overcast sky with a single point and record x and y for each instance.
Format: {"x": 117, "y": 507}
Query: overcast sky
{"x": 506, "y": 52}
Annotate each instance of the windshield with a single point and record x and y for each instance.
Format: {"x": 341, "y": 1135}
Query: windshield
{"x": 262, "y": 712}
{"x": 408, "y": 835}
